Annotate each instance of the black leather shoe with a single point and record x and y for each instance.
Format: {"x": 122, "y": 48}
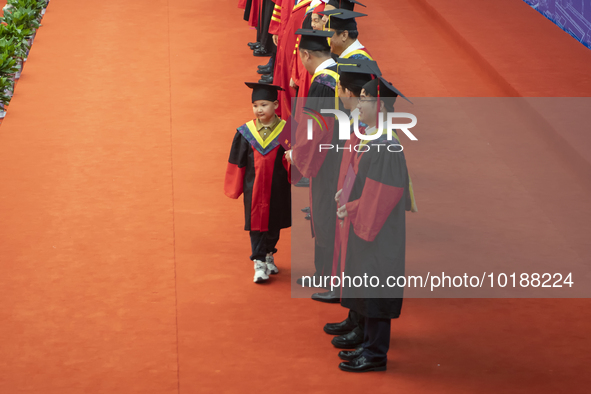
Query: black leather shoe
{"x": 330, "y": 297}
{"x": 351, "y": 340}
{"x": 254, "y": 45}
{"x": 342, "y": 328}
{"x": 261, "y": 52}
{"x": 308, "y": 217}
{"x": 266, "y": 79}
{"x": 266, "y": 70}
{"x": 304, "y": 182}
{"x": 269, "y": 64}
{"x": 360, "y": 364}
{"x": 306, "y": 210}
{"x": 350, "y": 355}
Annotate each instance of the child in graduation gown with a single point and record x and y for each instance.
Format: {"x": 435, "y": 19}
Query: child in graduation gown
{"x": 257, "y": 168}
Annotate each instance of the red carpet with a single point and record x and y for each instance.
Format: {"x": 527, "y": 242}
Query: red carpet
{"x": 124, "y": 268}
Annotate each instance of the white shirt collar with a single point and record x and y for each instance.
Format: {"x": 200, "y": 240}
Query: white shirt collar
{"x": 353, "y": 47}
{"x": 373, "y": 130}
{"x": 325, "y": 64}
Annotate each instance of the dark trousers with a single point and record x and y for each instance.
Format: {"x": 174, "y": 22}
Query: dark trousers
{"x": 377, "y": 339}
{"x": 323, "y": 258}
{"x": 263, "y": 242}
{"x": 263, "y": 36}
{"x": 357, "y": 319}
{"x": 247, "y": 8}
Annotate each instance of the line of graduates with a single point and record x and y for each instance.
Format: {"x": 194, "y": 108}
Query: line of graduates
{"x": 320, "y": 64}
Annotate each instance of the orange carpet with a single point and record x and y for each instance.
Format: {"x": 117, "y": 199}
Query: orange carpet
{"x": 124, "y": 268}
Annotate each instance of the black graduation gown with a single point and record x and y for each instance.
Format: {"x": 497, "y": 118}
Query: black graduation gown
{"x": 376, "y": 230}
{"x": 322, "y": 168}
{"x": 260, "y": 172}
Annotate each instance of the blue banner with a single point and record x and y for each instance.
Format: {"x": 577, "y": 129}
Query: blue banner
{"x": 573, "y": 16}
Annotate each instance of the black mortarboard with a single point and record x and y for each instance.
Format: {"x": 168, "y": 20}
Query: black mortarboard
{"x": 314, "y": 40}
{"x": 379, "y": 87}
{"x": 357, "y": 72}
{"x": 263, "y": 91}
{"x": 362, "y": 66}
{"x": 342, "y": 19}
{"x": 345, "y": 4}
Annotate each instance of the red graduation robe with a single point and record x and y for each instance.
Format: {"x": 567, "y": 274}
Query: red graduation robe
{"x": 280, "y": 19}
{"x": 286, "y": 51}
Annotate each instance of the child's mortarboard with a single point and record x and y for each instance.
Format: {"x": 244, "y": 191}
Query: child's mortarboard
{"x": 263, "y": 91}
{"x": 314, "y": 40}
{"x": 341, "y": 19}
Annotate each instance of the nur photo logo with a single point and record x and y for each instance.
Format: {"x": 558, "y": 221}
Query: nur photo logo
{"x": 345, "y": 123}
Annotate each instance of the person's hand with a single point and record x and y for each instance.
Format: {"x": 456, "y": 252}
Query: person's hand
{"x": 337, "y": 197}
{"x": 275, "y": 39}
{"x": 342, "y": 212}
{"x": 288, "y": 156}
{"x": 292, "y": 84}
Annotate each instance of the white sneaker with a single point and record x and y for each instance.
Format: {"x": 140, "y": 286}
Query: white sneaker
{"x": 271, "y": 264}
{"x": 261, "y": 272}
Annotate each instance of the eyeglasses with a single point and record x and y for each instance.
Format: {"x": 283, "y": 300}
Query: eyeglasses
{"x": 367, "y": 100}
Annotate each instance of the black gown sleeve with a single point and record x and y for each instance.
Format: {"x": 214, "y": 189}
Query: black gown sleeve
{"x": 309, "y": 155}
{"x": 385, "y": 184}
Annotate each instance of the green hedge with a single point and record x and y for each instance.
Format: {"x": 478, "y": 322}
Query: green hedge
{"x": 18, "y": 26}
